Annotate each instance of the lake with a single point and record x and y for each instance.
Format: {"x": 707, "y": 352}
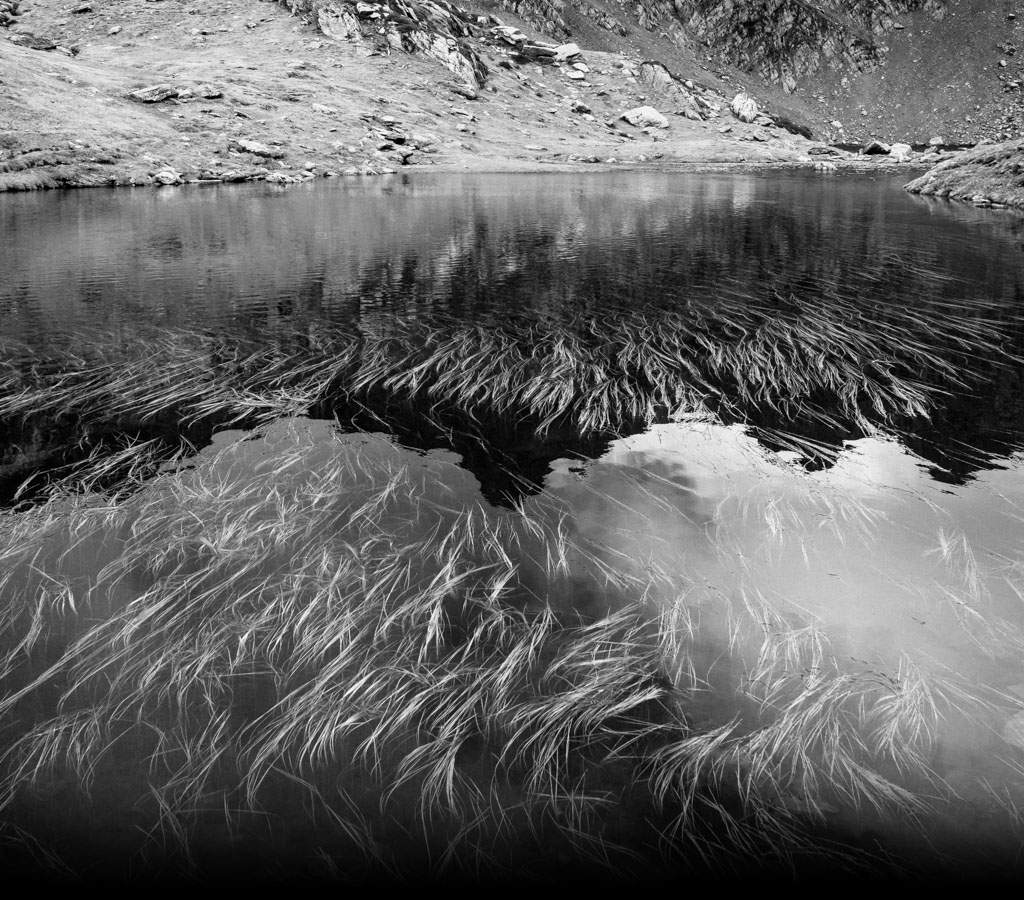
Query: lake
{"x": 513, "y": 525}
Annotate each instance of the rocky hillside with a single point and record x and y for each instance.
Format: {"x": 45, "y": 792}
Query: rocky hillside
{"x": 851, "y": 70}
{"x": 122, "y": 92}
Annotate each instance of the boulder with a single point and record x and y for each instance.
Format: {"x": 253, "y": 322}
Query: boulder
{"x": 464, "y": 90}
{"x": 167, "y": 176}
{"x": 244, "y": 145}
{"x": 154, "y": 93}
{"x": 900, "y": 152}
{"x": 509, "y": 35}
{"x": 645, "y": 116}
{"x": 655, "y": 74}
{"x": 744, "y": 107}
{"x": 33, "y": 42}
{"x": 875, "y": 148}
{"x": 937, "y": 142}
{"x": 565, "y": 52}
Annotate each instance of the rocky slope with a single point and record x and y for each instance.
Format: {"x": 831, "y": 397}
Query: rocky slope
{"x": 139, "y": 91}
{"x": 785, "y": 40}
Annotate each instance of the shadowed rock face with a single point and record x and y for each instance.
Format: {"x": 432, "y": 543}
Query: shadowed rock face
{"x": 782, "y": 40}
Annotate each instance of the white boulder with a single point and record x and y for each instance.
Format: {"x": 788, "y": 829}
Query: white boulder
{"x": 645, "y": 116}
{"x": 744, "y": 107}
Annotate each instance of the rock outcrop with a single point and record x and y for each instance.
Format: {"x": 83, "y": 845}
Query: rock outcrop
{"x": 987, "y": 175}
{"x": 434, "y": 28}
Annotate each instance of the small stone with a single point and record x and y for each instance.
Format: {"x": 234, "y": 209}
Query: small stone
{"x": 115, "y": 30}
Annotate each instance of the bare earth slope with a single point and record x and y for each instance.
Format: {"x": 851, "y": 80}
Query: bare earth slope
{"x": 257, "y": 91}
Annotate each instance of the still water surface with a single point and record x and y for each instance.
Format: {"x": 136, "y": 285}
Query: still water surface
{"x": 479, "y": 245}
{"x": 892, "y": 553}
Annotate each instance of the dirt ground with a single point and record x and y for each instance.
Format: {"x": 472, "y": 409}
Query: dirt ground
{"x": 262, "y": 94}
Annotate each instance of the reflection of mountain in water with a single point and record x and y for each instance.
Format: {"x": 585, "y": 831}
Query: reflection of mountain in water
{"x": 815, "y": 314}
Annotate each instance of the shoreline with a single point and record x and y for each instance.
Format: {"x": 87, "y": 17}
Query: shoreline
{"x": 48, "y": 180}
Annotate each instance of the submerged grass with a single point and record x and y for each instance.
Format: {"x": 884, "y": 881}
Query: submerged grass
{"x": 306, "y": 653}
{"x": 809, "y": 373}
{"x": 325, "y": 655}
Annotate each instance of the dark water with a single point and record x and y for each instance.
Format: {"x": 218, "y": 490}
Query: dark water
{"x": 816, "y": 500}
{"x": 731, "y": 255}
{"x": 479, "y": 246}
